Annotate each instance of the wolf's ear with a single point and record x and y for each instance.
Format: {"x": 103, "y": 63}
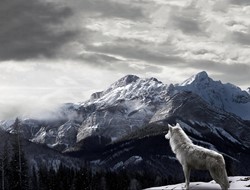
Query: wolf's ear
{"x": 177, "y": 125}
{"x": 170, "y": 128}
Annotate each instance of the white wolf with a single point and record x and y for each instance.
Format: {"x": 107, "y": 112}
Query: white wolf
{"x": 195, "y": 157}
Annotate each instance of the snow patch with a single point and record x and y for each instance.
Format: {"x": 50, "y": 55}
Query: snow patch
{"x": 236, "y": 183}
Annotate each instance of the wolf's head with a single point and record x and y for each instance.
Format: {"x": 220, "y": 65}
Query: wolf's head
{"x": 171, "y": 129}
{"x": 168, "y": 135}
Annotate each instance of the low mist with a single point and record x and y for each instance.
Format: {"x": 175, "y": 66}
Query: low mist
{"x": 35, "y": 90}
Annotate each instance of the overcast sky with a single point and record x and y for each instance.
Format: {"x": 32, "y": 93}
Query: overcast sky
{"x": 55, "y": 51}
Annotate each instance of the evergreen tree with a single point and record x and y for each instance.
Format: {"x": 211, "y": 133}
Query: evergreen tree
{"x": 34, "y": 179}
{"x": 5, "y": 166}
{"x": 99, "y": 181}
{"x": 19, "y": 168}
{"x": 43, "y": 177}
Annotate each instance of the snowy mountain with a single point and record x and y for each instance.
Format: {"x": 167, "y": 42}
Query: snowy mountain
{"x": 236, "y": 182}
{"x": 227, "y": 97}
{"x": 131, "y": 103}
{"x": 125, "y": 106}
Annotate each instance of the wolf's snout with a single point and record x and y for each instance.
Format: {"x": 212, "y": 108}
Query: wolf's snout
{"x": 167, "y": 136}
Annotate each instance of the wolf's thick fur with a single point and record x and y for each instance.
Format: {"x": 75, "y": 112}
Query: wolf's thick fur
{"x": 196, "y": 157}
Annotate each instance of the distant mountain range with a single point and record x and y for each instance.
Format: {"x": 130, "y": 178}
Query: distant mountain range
{"x": 123, "y": 126}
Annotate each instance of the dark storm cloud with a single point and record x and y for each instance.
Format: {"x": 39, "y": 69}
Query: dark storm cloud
{"x": 201, "y": 52}
{"x": 106, "y": 8}
{"x": 97, "y": 59}
{"x": 237, "y": 73}
{"x": 113, "y": 63}
{"x": 187, "y": 19}
{"x": 32, "y": 28}
{"x": 187, "y": 25}
{"x": 241, "y": 38}
{"x": 240, "y": 2}
{"x": 138, "y": 53}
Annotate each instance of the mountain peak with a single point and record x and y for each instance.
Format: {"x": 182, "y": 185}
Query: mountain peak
{"x": 126, "y": 80}
{"x": 202, "y": 75}
{"x": 198, "y": 78}
{"x": 248, "y": 90}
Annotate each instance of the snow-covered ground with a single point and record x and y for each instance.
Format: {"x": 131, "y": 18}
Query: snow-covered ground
{"x": 236, "y": 182}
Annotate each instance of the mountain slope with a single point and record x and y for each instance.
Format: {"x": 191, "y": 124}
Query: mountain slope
{"x": 39, "y": 155}
{"x": 204, "y": 118}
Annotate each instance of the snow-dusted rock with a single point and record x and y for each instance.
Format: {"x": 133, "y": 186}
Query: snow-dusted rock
{"x": 248, "y": 90}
